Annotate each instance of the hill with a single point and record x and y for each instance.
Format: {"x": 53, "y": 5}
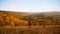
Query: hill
{"x": 9, "y": 18}
{"x": 44, "y": 18}
{"x": 12, "y": 18}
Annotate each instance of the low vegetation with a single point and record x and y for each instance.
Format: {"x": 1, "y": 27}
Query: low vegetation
{"x": 26, "y": 23}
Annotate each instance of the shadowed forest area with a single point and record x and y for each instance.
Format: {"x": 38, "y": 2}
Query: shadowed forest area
{"x": 29, "y": 22}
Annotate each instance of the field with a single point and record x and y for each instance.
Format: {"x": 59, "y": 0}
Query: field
{"x": 29, "y": 22}
{"x": 48, "y": 29}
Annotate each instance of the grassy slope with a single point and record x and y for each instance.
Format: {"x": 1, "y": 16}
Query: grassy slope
{"x": 51, "y": 29}
{"x": 48, "y": 29}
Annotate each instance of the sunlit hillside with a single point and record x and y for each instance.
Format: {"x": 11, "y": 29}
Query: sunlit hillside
{"x": 29, "y": 22}
{"x": 12, "y": 18}
{"x": 32, "y": 19}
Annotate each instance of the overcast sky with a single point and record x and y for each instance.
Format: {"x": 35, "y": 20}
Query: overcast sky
{"x": 30, "y": 5}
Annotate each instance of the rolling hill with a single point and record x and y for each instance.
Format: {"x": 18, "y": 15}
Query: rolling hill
{"x": 9, "y": 18}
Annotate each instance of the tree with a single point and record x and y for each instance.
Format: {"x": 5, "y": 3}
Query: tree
{"x": 29, "y": 19}
{"x": 2, "y": 23}
{"x": 4, "y": 17}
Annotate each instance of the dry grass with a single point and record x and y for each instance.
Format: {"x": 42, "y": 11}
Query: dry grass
{"x": 48, "y": 29}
